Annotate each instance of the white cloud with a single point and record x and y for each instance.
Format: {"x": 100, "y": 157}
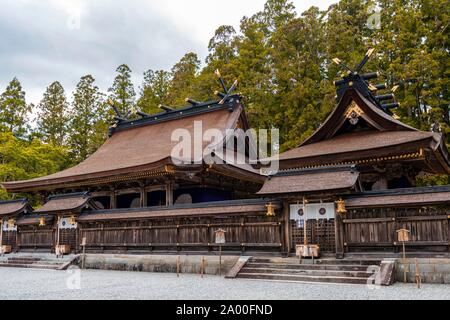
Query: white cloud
{"x": 48, "y": 40}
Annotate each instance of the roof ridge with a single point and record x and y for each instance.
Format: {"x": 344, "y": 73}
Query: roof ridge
{"x": 22, "y": 200}
{"x": 414, "y": 190}
{"x": 337, "y": 168}
{"x": 209, "y": 106}
{"x": 69, "y": 195}
{"x": 189, "y": 206}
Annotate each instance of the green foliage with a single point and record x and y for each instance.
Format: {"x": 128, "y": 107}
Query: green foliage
{"x": 21, "y": 159}
{"x": 183, "y": 75}
{"x": 154, "y": 91}
{"x": 122, "y": 90}
{"x": 413, "y": 50}
{"x": 433, "y": 180}
{"x": 14, "y": 109}
{"x": 88, "y": 119}
{"x": 53, "y": 115}
{"x": 283, "y": 63}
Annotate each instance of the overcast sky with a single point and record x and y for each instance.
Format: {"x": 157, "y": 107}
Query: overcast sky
{"x": 47, "y": 40}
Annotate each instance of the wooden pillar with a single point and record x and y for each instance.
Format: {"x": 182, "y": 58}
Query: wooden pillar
{"x": 17, "y": 239}
{"x": 339, "y": 231}
{"x": 242, "y": 237}
{"x": 113, "y": 199}
{"x": 58, "y": 218}
{"x": 169, "y": 193}
{"x": 143, "y": 193}
{"x": 287, "y": 228}
{"x": 1, "y": 231}
{"x": 76, "y": 238}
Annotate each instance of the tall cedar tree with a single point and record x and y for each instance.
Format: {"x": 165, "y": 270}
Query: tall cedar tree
{"x": 184, "y": 74}
{"x": 88, "y": 125}
{"x": 53, "y": 113}
{"x": 154, "y": 91}
{"x": 14, "y": 109}
{"x": 122, "y": 90}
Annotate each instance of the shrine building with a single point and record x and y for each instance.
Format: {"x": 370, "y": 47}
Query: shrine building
{"x": 351, "y": 185}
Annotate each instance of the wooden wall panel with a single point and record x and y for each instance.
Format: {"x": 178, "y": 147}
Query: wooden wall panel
{"x": 366, "y": 229}
{"x": 33, "y": 237}
{"x": 178, "y": 233}
{"x": 9, "y": 239}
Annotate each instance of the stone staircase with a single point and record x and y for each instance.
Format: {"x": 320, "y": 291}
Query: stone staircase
{"x": 38, "y": 261}
{"x": 324, "y": 270}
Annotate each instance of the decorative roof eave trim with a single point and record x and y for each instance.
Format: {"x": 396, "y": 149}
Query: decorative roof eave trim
{"x": 419, "y": 155}
{"x": 155, "y": 169}
{"x": 320, "y": 169}
{"x": 136, "y": 174}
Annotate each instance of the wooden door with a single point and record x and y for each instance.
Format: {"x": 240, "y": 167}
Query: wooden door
{"x": 321, "y": 232}
{"x": 36, "y": 238}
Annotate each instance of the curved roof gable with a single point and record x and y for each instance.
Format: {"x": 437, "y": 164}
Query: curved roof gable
{"x": 354, "y": 101}
{"x": 14, "y": 207}
{"x": 358, "y": 129}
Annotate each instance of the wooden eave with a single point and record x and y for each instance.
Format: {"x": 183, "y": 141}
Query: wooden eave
{"x": 408, "y": 152}
{"x": 66, "y": 203}
{"x": 101, "y": 178}
{"x": 410, "y": 197}
{"x": 15, "y": 208}
{"x": 330, "y": 180}
{"x": 213, "y": 209}
{"x": 34, "y": 219}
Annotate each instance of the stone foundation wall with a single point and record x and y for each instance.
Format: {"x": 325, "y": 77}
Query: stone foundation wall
{"x": 430, "y": 270}
{"x": 159, "y": 263}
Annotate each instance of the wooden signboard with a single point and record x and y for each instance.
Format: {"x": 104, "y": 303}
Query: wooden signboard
{"x": 220, "y": 236}
{"x": 62, "y": 249}
{"x": 403, "y": 235}
{"x": 307, "y": 251}
{"x": 5, "y": 249}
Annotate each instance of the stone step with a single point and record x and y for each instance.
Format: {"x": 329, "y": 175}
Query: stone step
{"x": 34, "y": 266}
{"x": 25, "y": 259}
{"x": 302, "y": 278}
{"x": 307, "y": 266}
{"x": 18, "y": 261}
{"x": 333, "y": 273}
{"x": 364, "y": 262}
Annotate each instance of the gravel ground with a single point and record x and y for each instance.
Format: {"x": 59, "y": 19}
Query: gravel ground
{"x": 94, "y": 284}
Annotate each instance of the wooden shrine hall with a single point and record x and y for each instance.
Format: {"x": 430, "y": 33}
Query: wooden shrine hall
{"x": 347, "y": 188}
